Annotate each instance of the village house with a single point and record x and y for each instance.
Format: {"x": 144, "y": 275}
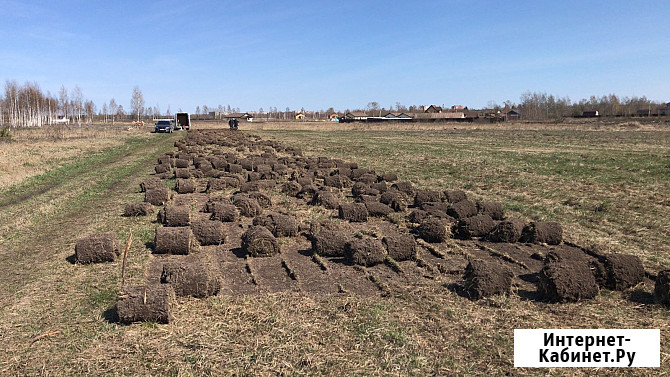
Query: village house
{"x": 356, "y": 115}
{"x": 513, "y": 115}
{"x": 397, "y": 116}
{"x": 433, "y": 109}
{"x": 246, "y": 116}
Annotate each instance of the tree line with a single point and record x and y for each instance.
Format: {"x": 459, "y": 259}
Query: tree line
{"x": 543, "y": 106}
{"x": 28, "y": 106}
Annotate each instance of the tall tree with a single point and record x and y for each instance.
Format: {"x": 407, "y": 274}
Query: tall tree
{"x": 137, "y": 102}
{"x": 113, "y": 107}
{"x": 77, "y": 102}
{"x": 63, "y": 101}
{"x": 104, "y": 111}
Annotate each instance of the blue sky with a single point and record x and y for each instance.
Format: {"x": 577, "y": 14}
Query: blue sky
{"x": 344, "y": 54}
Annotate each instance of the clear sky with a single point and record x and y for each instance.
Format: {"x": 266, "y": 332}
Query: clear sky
{"x": 317, "y": 54}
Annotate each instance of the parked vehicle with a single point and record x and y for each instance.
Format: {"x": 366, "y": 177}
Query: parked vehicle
{"x": 164, "y": 125}
{"x": 182, "y": 121}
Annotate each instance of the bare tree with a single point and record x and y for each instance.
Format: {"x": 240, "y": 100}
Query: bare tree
{"x": 104, "y": 111}
{"x": 137, "y": 102}
{"x": 89, "y": 110}
{"x": 113, "y": 107}
{"x": 120, "y": 112}
{"x": 77, "y": 102}
{"x": 63, "y": 101}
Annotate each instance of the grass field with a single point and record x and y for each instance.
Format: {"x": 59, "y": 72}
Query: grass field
{"x": 609, "y": 187}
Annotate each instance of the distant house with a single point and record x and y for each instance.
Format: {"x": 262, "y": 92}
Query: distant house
{"x": 450, "y": 115}
{"x": 356, "y": 115}
{"x": 458, "y": 108}
{"x": 472, "y": 114}
{"x": 664, "y": 110}
{"x": 61, "y": 120}
{"x": 246, "y": 116}
{"x": 397, "y": 116}
{"x": 299, "y": 116}
{"x": 433, "y": 109}
{"x": 334, "y": 117}
{"x": 646, "y": 112}
{"x": 513, "y": 115}
{"x": 216, "y": 115}
{"x": 590, "y": 114}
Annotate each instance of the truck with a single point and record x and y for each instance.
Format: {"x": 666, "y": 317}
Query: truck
{"x": 182, "y": 121}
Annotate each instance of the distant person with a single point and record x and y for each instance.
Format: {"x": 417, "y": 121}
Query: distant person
{"x": 232, "y": 123}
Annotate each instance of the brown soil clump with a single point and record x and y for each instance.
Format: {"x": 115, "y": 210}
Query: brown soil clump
{"x": 326, "y": 199}
{"x": 621, "y": 271}
{"x": 388, "y": 177}
{"x": 567, "y": 281}
{"x": 432, "y": 230}
{"x": 395, "y": 200}
{"x": 462, "y": 209}
{"x": 157, "y": 196}
{"x": 263, "y": 200}
{"x": 151, "y": 183}
{"x": 423, "y": 196}
{"x": 258, "y": 241}
{"x": 508, "y": 231}
{"x": 162, "y": 168}
{"x": 476, "y": 226}
{"x": 279, "y": 224}
{"x": 209, "y": 232}
{"x": 182, "y": 173}
{"x": 455, "y": 196}
{"x": 542, "y": 232}
{"x": 484, "y": 279}
{"x": 291, "y": 188}
{"x": 400, "y": 247}
{"x": 181, "y": 163}
{"x": 362, "y": 188}
{"x": 248, "y": 207}
{"x": 185, "y": 186}
{"x": 437, "y": 209}
{"x": 493, "y": 209}
{"x": 336, "y": 181}
{"x": 179, "y": 215}
{"x": 173, "y": 240}
{"x": 143, "y": 303}
{"x": 194, "y": 278}
{"x": 405, "y": 187}
{"x": 365, "y": 252}
{"x": 354, "y": 212}
{"x": 329, "y": 242}
{"x": 224, "y": 212}
{"x": 97, "y": 248}
{"x": 376, "y": 209}
{"x": 220, "y": 184}
{"x": 138, "y": 209}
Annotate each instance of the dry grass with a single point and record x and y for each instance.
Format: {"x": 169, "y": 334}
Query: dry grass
{"x": 608, "y": 187}
{"x": 32, "y": 151}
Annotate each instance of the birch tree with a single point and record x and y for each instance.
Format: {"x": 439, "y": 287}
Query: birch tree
{"x": 137, "y": 102}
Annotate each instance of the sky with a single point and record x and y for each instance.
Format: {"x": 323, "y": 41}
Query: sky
{"x": 341, "y": 54}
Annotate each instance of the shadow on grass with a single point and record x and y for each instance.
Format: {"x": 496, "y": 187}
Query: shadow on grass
{"x": 641, "y": 297}
{"x": 111, "y": 315}
{"x": 460, "y": 290}
{"x": 238, "y": 252}
{"x": 72, "y": 259}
